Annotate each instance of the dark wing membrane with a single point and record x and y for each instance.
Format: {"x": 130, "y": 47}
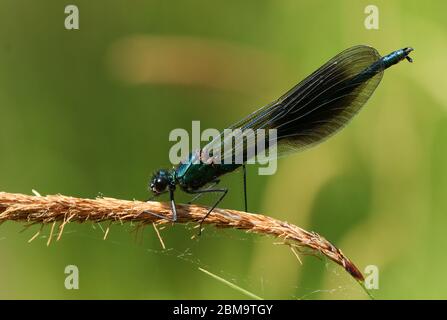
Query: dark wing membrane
{"x": 321, "y": 104}
{"x": 327, "y": 100}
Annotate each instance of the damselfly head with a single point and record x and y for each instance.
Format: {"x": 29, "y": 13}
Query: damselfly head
{"x": 160, "y": 181}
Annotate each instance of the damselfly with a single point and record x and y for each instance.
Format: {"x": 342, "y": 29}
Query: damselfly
{"x": 306, "y": 115}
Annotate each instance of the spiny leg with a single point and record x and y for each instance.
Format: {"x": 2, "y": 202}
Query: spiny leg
{"x": 173, "y": 207}
{"x": 224, "y": 193}
{"x": 212, "y": 185}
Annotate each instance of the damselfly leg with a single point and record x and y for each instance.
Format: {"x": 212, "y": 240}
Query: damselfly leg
{"x": 223, "y": 192}
{"x": 173, "y": 207}
{"x": 197, "y": 196}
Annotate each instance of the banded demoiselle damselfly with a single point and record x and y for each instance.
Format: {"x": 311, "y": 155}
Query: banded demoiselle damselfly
{"x": 313, "y": 110}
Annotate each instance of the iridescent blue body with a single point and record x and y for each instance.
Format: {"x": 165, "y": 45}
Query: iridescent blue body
{"x": 384, "y": 63}
{"x": 193, "y": 174}
{"x": 396, "y": 56}
{"x": 313, "y": 110}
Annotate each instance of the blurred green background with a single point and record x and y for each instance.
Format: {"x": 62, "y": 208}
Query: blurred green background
{"x": 89, "y": 111}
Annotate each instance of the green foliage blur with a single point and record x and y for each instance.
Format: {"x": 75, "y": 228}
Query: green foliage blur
{"x": 88, "y": 112}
